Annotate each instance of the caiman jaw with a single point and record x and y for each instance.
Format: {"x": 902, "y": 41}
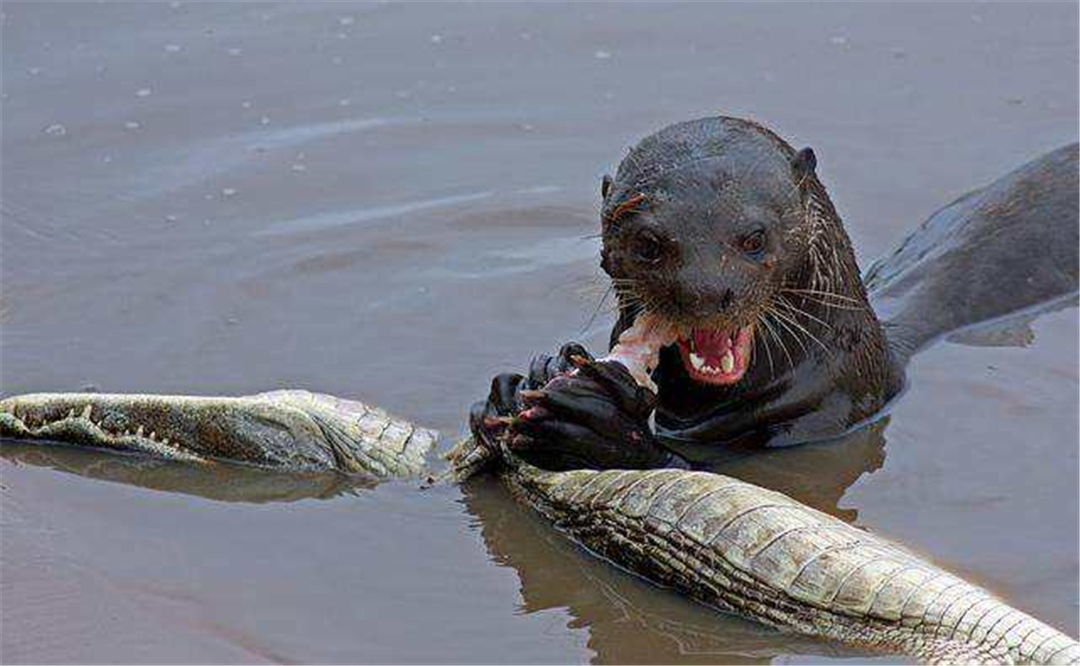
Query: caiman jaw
{"x": 285, "y": 429}
{"x": 713, "y": 356}
{"x": 80, "y": 425}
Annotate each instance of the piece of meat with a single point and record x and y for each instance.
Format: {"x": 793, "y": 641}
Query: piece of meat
{"x": 639, "y": 347}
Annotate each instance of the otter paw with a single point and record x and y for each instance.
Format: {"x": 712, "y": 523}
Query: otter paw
{"x": 596, "y": 416}
{"x": 489, "y": 418}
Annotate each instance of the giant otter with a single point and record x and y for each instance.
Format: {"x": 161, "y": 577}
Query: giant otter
{"x": 723, "y": 230}
{"x": 741, "y": 299}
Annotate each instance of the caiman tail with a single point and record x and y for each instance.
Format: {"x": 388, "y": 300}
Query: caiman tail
{"x": 732, "y": 545}
{"x": 758, "y": 553}
{"x": 729, "y": 544}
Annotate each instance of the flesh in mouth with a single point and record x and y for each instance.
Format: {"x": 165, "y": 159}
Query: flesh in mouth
{"x": 638, "y": 347}
{"x": 714, "y": 356}
{"x": 711, "y": 356}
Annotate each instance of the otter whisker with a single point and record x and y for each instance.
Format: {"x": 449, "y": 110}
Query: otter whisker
{"x": 592, "y": 289}
{"x": 781, "y": 317}
{"x": 788, "y": 317}
{"x": 780, "y": 340}
{"x": 765, "y": 344}
{"x": 596, "y": 311}
{"x": 625, "y": 289}
{"x": 821, "y": 298}
{"x": 775, "y": 336}
{"x": 824, "y": 303}
{"x": 628, "y": 297}
{"x": 833, "y": 306}
{"x": 818, "y": 292}
{"x": 587, "y": 285}
{"x": 794, "y": 310}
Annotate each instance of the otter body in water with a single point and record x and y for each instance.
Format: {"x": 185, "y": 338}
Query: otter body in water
{"x": 721, "y": 229}
{"x": 741, "y": 299}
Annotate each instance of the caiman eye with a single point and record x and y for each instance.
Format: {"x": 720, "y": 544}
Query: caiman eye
{"x": 753, "y": 242}
{"x": 648, "y": 247}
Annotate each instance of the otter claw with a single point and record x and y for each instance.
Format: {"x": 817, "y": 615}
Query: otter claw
{"x": 580, "y": 361}
{"x": 533, "y": 414}
{"x": 497, "y": 421}
{"x": 530, "y": 395}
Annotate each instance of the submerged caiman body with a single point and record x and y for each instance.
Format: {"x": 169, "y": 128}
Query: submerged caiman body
{"x": 760, "y": 554}
{"x": 732, "y": 545}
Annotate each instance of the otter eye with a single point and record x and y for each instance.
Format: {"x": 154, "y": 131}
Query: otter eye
{"x": 648, "y": 247}
{"x": 753, "y": 243}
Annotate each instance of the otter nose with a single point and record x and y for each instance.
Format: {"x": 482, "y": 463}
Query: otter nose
{"x": 704, "y": 302}
{"x": 715, "y": 301}
{"x": 725, "y": 299}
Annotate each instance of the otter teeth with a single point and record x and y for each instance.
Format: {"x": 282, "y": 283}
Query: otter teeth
{"x": 727, "y": 361}
{"x": 697, "y": 361}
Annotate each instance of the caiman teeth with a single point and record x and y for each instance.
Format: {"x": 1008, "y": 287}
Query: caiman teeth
{"x": 139, "y": 431}
{"x": 87, "y": 411}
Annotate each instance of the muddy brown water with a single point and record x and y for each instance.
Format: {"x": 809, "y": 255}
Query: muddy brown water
{"x": 393, "y": 203}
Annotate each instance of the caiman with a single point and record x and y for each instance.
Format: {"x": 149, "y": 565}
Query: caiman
{"x": 731, "y": 545}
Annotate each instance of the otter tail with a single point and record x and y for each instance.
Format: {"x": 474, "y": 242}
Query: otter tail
{"x": 1008, "y": 247}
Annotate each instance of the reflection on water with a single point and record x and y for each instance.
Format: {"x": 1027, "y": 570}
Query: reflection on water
{"x": 627, "y": 619}
{"x": 1013, "y": 330}
{"x": 312, "y": 223}
{"x": 816, "y": 474}
{"x": 223, "y": 481}
{"x": 392, "y": 202}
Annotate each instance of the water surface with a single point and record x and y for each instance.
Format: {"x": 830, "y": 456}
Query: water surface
{"x": 395, "y": 202}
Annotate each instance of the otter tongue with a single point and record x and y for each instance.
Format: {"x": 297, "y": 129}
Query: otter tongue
{"x": 711, "y": 345}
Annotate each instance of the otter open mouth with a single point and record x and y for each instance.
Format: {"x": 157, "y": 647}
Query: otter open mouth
{"x": 717, "y": 357}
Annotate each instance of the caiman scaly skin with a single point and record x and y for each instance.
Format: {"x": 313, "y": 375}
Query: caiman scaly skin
{"x": 760, "y": 554}
{"x": 732, "y": 545}
{"x": 288, "y": 429}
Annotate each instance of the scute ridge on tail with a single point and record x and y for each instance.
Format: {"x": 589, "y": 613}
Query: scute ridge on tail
{"x": 704, "y": 534}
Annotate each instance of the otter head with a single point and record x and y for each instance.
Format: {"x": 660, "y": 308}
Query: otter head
{"x": 701, "y": 227}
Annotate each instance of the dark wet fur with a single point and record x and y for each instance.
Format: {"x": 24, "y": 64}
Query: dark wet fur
{"x": 999, "y": 249}
{"x": 821, "y": 362}
{"x": 676, "y": 219}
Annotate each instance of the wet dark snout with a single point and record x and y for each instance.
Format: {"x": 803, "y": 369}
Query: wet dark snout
{"x": 711, "y": 281}
{"x": 696, "y": 302}
{"x": 699, "y": 293}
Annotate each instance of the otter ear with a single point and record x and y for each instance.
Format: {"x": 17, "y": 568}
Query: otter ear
{"x": 804, "y": 163}
{"x": 605, "y": 186}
